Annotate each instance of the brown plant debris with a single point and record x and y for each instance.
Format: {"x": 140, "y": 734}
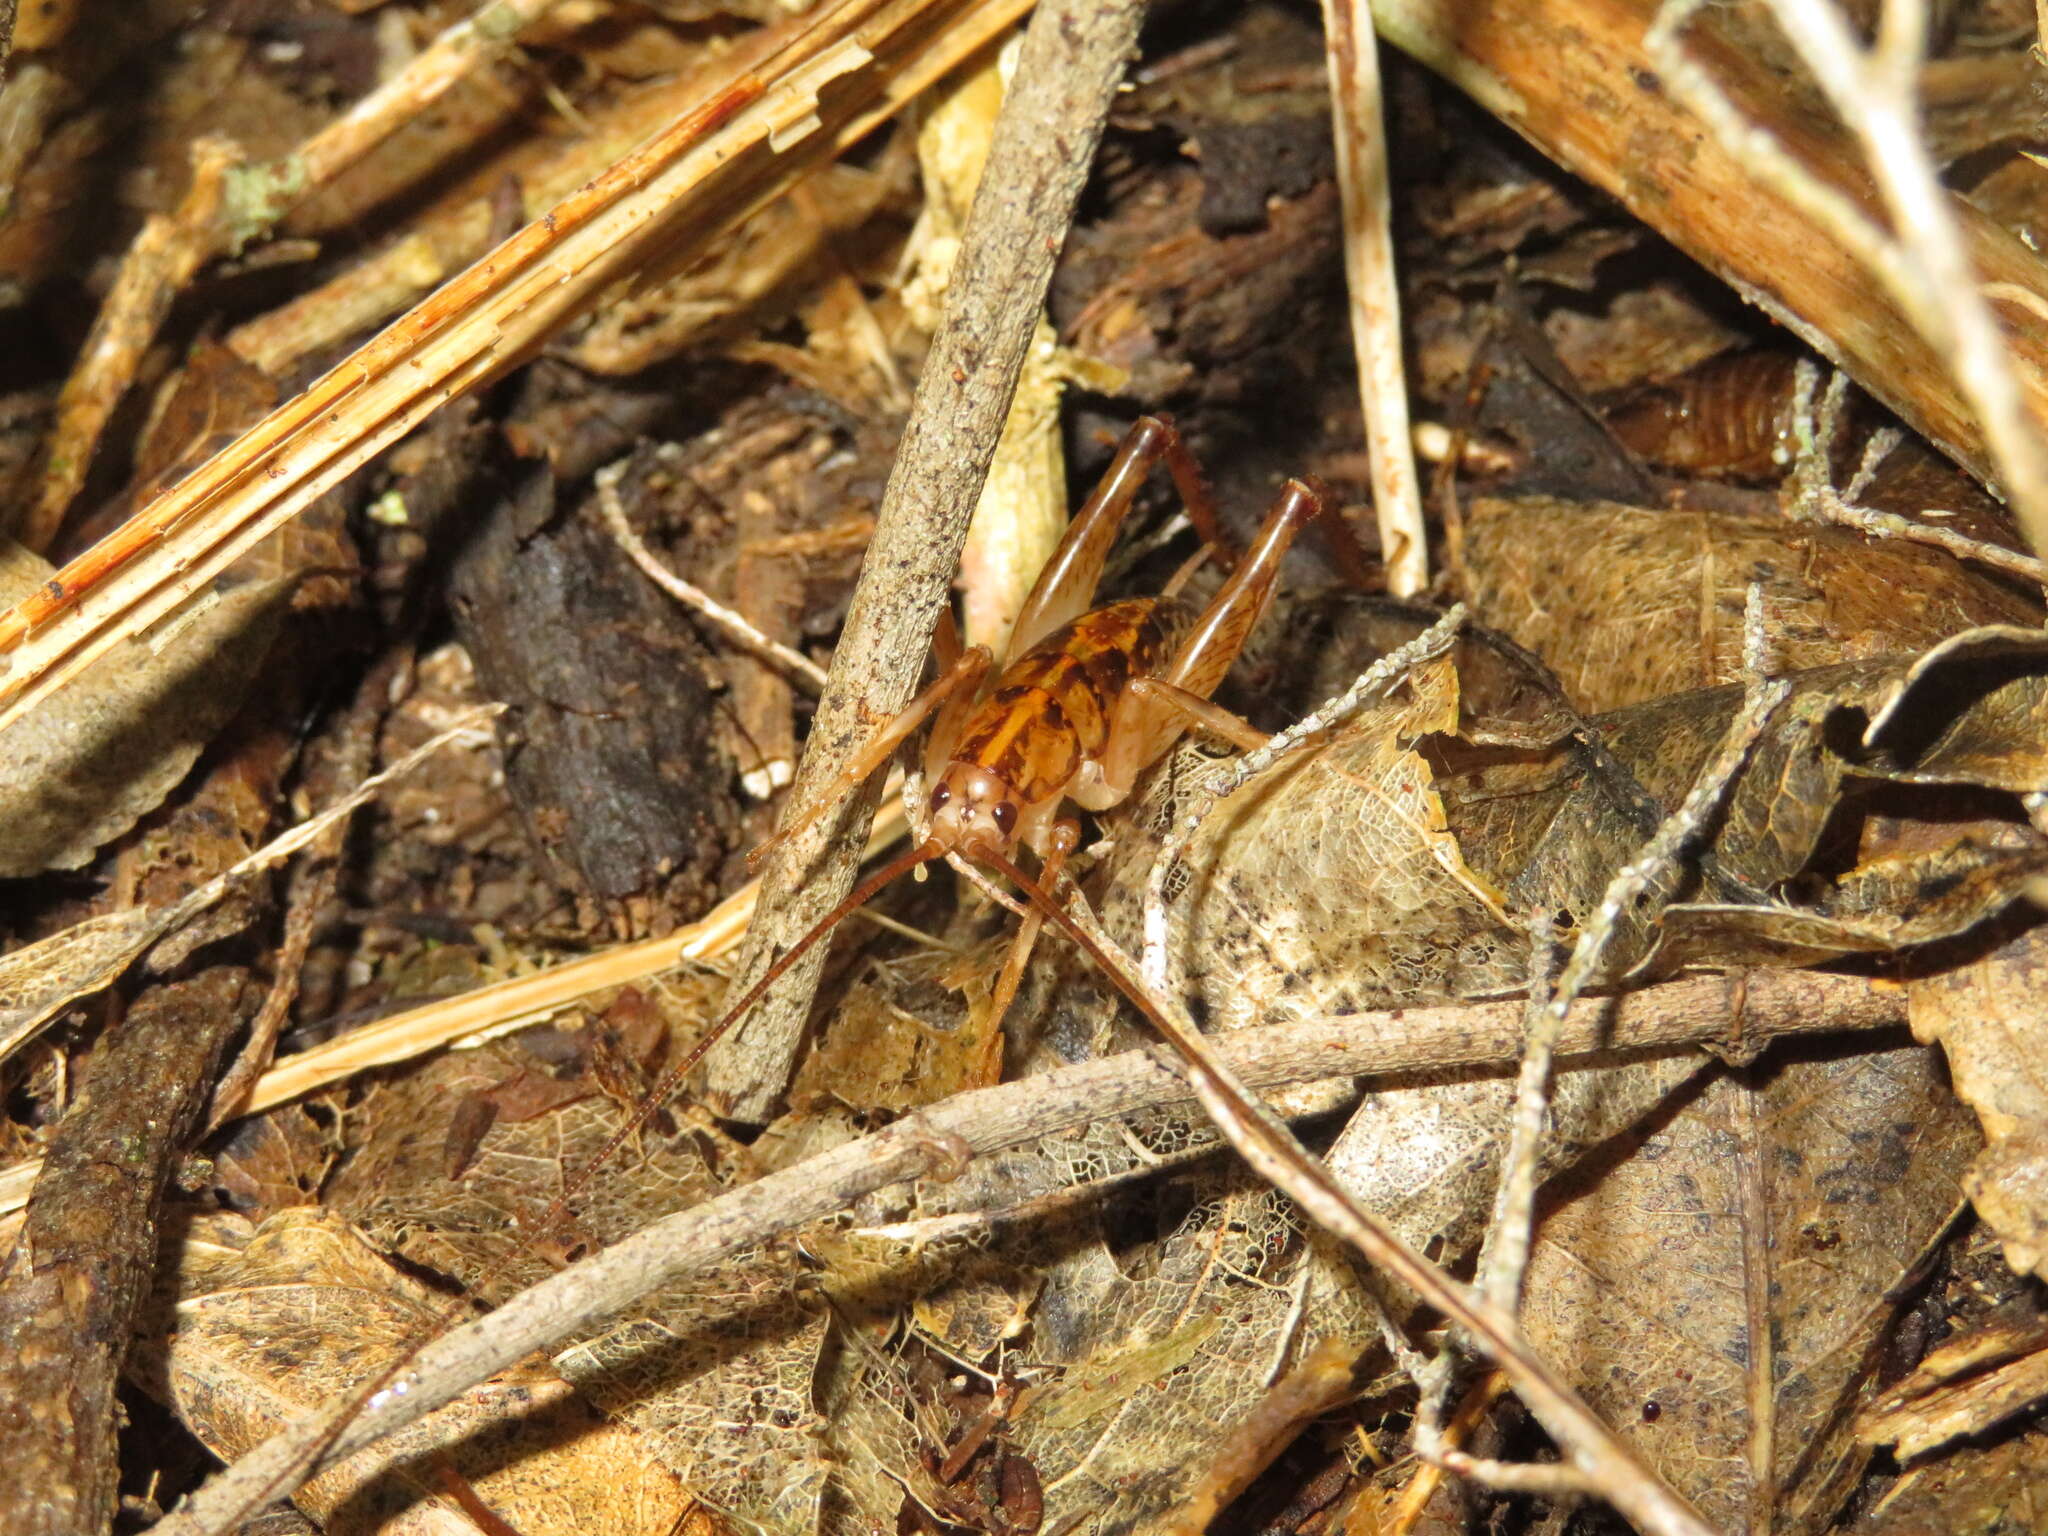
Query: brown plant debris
{"x": 474, "y": 467}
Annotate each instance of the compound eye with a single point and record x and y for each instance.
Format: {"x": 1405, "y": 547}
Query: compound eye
{"x": 941, "y": 794}
{"x": 1005, "y": 816}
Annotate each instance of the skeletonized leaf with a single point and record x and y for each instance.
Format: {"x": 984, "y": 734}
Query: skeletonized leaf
{"x": 306, "y": 1309}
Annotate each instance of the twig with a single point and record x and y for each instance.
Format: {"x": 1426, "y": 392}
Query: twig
{"x": 992, "y": 1119}
{"x": 338, "y": 766}
{"x": 1374, "y": 291}
{"x": 164, "y": 257}
{"x": 1923, "y": 261}
{"x": 733, "y": 625}
{"x": 1680, "y": 1013}
{"x": 1052, "y": 117}
{"x": 1504, "y": 1255}
{"x": 88, "y": 1250}
{"x": 1813, "y": 494}
{"x": 263, "y": 194}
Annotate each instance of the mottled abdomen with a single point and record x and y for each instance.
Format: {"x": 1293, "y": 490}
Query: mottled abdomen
{"x": 1053, "y": 706}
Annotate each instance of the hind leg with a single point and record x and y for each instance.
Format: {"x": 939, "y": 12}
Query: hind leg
{"x": 1065, "y": 589}
{"x": 1149, "y": 720}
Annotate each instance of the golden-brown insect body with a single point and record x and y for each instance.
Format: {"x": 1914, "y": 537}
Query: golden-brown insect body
{"x": 1050, "y": 713}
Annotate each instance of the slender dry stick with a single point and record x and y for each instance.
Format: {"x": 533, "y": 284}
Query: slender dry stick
{"x": 1374, "y": 291}
{"x": 1073, "y": 57}
{"x": 1680, "y": 1013}
{"x": 70, "y": 1291}
{"x": 1504, "y": 1255}
{"x": 732, "y": 624}
{"x": 1813, "y": 494}
{"x": 263, "y": 194}
{"x": 1503, "y": 1260}
{"x": 1923, "y": 260}
{"x": 336, "y": 765}
{"x": 993, "y": 1119}
{"x": 163, "y": 258}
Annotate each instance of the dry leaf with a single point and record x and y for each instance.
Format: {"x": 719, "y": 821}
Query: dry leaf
{"x": 1990, "y": 1018}
{"x": 1718, "y": 1283}
{"x": 713, "y": 1377}
{"x": 88, "y": 764}
{"x": 1631, "y": 604}
{"x": 306, "y": 1309}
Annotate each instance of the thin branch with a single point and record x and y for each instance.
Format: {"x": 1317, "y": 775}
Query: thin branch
{"x": 1504, "y": 1255}
{"x": 83, "y": 1265}
{"x": 732, "y": 624}
{"x": 1812, "y": 493}
{"x": 1373, "y": 288}
{"x": 264, "y": 194}
{"x": 165, "y": 256}
{"x": 991, "y": 1120}
{"x": 1073, "y": 57}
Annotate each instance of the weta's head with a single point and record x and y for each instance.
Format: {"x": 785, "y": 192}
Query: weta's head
{"x": 973, "y": 810}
